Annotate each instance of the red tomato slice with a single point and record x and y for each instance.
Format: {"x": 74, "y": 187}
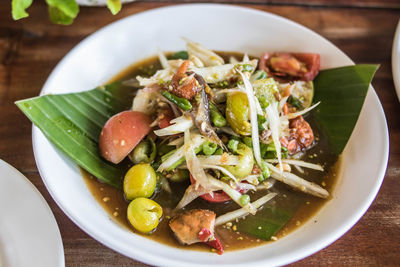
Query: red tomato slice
{"x": 312, "y": 62}
{"x": 218, "y": 196}
{"x": 121, "y": 133}
{"x": 168, "y": 115}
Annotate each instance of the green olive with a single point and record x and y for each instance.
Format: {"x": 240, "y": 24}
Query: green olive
{"x": 144, "y": 214}
{"x": 140, "y": 181}
{"x": 246, "y": 162}
{"x": 237, "y": 113}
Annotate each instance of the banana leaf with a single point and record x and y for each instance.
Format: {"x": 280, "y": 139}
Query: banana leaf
{"x": 73, "y": 122}
{"x": 267, "y": 221}
{"x": 342, "y": 93}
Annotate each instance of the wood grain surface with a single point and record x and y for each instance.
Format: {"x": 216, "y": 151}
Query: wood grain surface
{"x": 364, "y": 30}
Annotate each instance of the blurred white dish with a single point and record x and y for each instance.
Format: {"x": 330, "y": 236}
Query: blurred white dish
{"x": 396, "y": 60}
{"x": 97, "y": 2}
{"x": 29, "y": 235}
{"x": 221, "y": 27}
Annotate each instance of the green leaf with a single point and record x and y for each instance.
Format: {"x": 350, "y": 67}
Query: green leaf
{"x": 69, "y": 7}
{"x": 342, "y": 92}
{"x": 179, "y": 55}
{"x": 114, "y": 6}
{"x": 73, "y": 122}
{"x": 266, "y": 223}
{"x": 59, "y": 17}
{"x": 62, "y": 11}
{"x": 18, "y": 8}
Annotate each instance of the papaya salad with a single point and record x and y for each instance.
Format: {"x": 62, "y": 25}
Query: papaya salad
{"x": 231, "y": 130}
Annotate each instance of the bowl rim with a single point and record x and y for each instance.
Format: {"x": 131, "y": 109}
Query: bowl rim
{"x": 150, "y": 258}
{"x": 396, "y": 60}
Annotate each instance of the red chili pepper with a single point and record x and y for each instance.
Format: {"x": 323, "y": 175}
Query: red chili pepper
{"x": 207, "y": 237}
{"x": 216, "y": 243}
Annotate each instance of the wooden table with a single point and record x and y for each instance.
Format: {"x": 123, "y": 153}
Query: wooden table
{"x": 30, "y": 49}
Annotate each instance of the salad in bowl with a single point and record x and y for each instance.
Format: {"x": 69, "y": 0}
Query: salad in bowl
{"x": 218, "y": 149}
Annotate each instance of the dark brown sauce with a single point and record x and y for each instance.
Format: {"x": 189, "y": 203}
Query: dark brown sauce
{"x": 306, "y": 206}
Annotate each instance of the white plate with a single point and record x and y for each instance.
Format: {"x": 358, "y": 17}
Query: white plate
{"x": 108, "y": 51}
{"x": 396, "y": 60}
{"x": 29, "y": 234}
{"x": 97, "y": 2}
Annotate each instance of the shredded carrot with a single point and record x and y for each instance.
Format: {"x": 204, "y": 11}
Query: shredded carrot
{"x": 224, "y": 157}
{"x": 285, "y": 109}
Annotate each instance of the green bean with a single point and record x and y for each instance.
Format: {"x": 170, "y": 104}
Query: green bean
{"x": 181, "y": 102}
{"x": 216, "y": 117}
{"x": 265, "y": 172}
{"x": 233, "y": 145}
{"x": 261, "y": 120}
{"x": 247, "y": 141}
{"x": 209, "y": 148}
{"x": 176, "y": 164}
{"x": 269, "y": 151}
{"x": 284, "y": 152}
{"x": 219, "y": 151}
{"x": 264, "y": 150}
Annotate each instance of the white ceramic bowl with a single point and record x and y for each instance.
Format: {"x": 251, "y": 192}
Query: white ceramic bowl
{"x": 108, "y": 51}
